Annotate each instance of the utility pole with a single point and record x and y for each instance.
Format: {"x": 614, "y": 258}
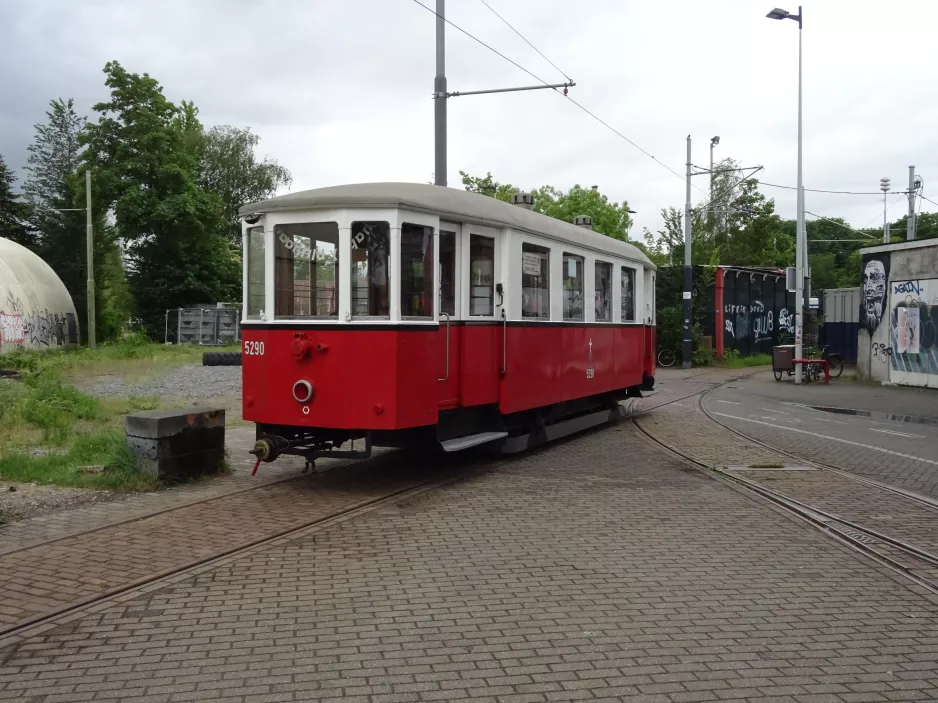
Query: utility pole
{"x": 90, "y": 256}
{"x": 441, "y": 96}
{"x": 688, "y": 270}
{"x": 439, "y": 88}
{"x": 910, "y": 223}
{"x": 884, "y": 186}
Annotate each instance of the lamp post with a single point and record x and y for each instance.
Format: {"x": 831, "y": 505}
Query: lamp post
{"x": 884, "y": 185}
{"x": 713, "y": 142}
{"x": 800, "y": 249}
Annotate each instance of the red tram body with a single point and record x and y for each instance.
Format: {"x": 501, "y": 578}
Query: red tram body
{"x": 409, "y": 314}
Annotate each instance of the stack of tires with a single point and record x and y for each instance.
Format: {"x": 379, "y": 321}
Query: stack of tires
{"x": 218, "y": 358}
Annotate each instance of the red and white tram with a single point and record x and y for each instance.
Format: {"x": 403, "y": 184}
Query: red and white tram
{"x": 403, "y": 314}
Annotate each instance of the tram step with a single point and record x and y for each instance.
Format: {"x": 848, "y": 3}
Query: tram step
{"x": 460, "y": 443}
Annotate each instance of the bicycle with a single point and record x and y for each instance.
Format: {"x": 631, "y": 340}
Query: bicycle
{"x": 835, "y": 361}
{"x": 666, "y": 357}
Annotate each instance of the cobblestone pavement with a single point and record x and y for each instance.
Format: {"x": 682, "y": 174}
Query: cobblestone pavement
{"x": 67, "y": 523}
{"x": 596, "y": 569}
{"x": 881, "y": 447}
{"x": 47, "y": 576}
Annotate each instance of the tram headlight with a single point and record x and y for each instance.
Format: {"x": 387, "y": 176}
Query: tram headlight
{"x": 303, "y": 391}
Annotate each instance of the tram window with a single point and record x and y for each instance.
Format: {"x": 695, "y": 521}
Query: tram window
{"x": 628, "y": 294}
{"x": 371, "y": 247}
{"x": 257, "y": 272}
{"x": 535, "y": 288}
{"x": 416, "y": 271}
{"x": 603, "y": 295}
{"x": 573, "y": 308}
{"x": 306, "y": 271}
{"x": 482, "y": 275}
{"x": 448, "y": 273}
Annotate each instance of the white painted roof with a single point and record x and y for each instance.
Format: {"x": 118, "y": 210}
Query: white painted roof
{"x": 449, "y": 204}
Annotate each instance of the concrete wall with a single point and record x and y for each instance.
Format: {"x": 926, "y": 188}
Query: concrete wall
{"x": 36, "y": 311}
{"x": 898, "y": 337}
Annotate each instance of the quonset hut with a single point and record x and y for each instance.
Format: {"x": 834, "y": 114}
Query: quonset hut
{"x": 36, "y": 311}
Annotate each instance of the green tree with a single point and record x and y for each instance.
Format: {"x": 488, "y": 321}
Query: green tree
{"x": 609, "y": 218}
{"x": 53, "y": 189}
{"x": 230, "y": 169}
{"x": 144, "y": 152}
{"x": 13, "y": 212}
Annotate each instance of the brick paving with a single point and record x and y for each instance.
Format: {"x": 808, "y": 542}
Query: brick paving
{"x": 238, "y": 441}
{"x": 596, "y": 569}
{"x": 55, "y": 575}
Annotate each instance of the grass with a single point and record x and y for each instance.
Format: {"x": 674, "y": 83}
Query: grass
{"x": 71, "y": 428}
{"x": 747, "y": 361}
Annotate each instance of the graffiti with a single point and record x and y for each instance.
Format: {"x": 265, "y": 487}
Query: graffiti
{"x": 785, "y": 321}
{"x": 729, "y": 328}
{"x": 873, "y": 301}
{"x": 757, "y": 307}
{"x": 881, "y": 351}
{"x": 914, "y": 323}
{"x": 731, "y": 309}
{"x": 907, "y": 287}
{"x": 14, "y": 304}
{"x": 46, "y": 329}
{"x": 12, "y": 329}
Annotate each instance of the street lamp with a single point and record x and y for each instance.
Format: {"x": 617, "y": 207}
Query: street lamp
{"x": 800, "y": 239}
{"x": 884, "y": 185}
{"x": 713, "y": 142}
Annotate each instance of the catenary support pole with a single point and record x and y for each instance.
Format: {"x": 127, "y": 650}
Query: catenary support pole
{"x": 439, "y": 90}
{"x": 89, "y": 244}
{"x": 800, "y": 234}
{"x": 910, "y": 225}
{"x": 688, "y": 271}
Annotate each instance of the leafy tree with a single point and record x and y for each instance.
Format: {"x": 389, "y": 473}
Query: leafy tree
{"x": 230, "y": 169}
{"x": 609, "y": 218}
{"x": 144, "y": 152}
{"x": 53, "y": 190}
{"x": 13, "y": 212}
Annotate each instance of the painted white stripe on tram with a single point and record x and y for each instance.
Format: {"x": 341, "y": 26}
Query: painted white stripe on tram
{"x": 834, "y": 439}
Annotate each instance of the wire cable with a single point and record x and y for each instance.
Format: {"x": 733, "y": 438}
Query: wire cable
{"x": 839, "y": 224}
{"x": 582, "y": 107}
{"x": 526, "y": 41}
{"x": 818, "y": 190}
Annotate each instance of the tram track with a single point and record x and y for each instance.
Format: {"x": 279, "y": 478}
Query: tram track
{"x": 13, "y": 632}
{"x": 901, "y": 556}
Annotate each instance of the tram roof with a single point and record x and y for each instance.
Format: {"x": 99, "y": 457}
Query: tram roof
{"x": 448, "y": 203}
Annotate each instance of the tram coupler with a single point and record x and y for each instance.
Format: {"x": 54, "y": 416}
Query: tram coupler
{"x": 266, "y": 449}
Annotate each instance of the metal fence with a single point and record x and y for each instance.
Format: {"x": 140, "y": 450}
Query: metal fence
{"x": 207, "y": 326}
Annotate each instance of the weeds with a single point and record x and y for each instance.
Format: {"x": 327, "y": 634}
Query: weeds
{"x": 739, "y": 362}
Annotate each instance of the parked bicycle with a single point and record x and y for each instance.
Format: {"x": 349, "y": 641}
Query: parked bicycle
{"x": 666, "y": 357}
{"x": 835, "y": 361}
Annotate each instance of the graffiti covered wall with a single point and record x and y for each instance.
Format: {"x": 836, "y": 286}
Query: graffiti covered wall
{"x": 898, "y": 338}
{"x": 36, "y": 311}
{"x": 756, "y": 309}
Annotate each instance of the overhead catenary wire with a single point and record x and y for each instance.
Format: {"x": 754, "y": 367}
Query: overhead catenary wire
{"x": 525, "y": 40}
{"x": 838, "y": 192}
{"x": 580, "y": 106}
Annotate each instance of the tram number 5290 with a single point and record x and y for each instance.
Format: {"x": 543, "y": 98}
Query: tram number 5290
{"x": 591, "y": 373}
{"x": 253, "y": 348}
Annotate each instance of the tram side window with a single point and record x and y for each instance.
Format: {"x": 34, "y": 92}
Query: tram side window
{"x": 628, "y": 294}
{"x": 573, "y": 308}
{"x": 371, "y": 247}
{"x": 416, "y": 271}
{"x": 447, "y": 273}
{"x": 481, "y": 275}
{"x": 603, "y": 295}
{"x": 257, "y": 272}
{"x": 306, "y": 269}
{"x": 535, "y": 282}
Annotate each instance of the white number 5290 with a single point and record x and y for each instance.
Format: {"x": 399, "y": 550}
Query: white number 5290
{"x": 253, "y": 348}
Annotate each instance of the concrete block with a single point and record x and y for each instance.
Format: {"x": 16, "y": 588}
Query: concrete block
{"x": 178, "y": 468}
{"x": 177, "y": 444}
{"x": 166, "y": 423}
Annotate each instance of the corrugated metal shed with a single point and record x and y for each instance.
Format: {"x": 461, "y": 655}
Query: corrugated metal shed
{"x": 36, "y": 310}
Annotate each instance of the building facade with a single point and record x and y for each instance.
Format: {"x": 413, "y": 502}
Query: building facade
{"x": 897, "y": 340}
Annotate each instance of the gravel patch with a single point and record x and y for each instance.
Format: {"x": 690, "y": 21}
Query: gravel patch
{"x": 19, "y": 501}
{"x": 191, "y": 382}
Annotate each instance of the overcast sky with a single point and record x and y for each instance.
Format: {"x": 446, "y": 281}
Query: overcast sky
{"x": 339, "y": 90}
